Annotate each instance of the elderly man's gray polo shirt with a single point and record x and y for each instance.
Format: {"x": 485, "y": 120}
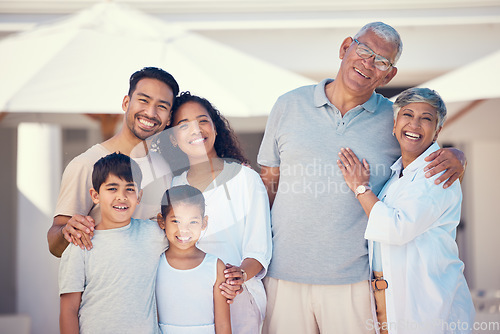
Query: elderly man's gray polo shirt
{"x": 317, "y": 223}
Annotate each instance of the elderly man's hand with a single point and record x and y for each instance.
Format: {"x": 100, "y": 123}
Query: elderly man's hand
{"x": 450, "y": 160}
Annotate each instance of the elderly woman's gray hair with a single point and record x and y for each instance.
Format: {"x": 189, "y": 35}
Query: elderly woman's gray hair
{"x": 385, "y": 32}
{"x": 425, "y": 95}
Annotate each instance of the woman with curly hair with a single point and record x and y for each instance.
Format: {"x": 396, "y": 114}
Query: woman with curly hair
{"x": 237, "y": 205}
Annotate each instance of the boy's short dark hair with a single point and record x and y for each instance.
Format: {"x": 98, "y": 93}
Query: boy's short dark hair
{"x": 153, "y": 73}
{"x": 182, "y": 194}
{"x": 119, "y": 165}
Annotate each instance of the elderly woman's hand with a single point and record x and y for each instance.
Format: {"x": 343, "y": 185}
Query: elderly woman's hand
{"x": 355, "y": 172}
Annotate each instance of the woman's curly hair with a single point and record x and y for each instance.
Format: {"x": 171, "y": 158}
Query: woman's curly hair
{"x": 226, "y": 143}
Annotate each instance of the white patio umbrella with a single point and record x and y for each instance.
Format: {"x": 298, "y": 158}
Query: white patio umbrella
{"x": 82, "y": 64}
{"x": 472, "y": 97}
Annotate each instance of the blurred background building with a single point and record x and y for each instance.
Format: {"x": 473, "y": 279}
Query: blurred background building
{"x": 241, "y": 55}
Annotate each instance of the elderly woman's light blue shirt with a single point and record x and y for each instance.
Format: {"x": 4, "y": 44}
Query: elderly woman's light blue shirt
{"x": 415, "y": 223}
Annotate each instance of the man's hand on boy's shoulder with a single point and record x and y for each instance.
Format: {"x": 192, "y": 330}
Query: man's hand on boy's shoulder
{"x": 79, "y": 230}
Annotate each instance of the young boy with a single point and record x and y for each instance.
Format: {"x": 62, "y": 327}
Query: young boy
{"x": 110, "y": 288}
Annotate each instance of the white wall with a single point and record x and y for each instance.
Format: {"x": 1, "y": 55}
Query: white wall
{"x": 38, "y": 178}
{"x": 484, "y": 188}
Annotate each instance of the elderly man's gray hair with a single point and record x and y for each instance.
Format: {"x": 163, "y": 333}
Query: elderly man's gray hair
{"x": 386, "y": 32}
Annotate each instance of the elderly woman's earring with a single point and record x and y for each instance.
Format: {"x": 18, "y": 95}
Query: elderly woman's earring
{"x": 393, "y": 134}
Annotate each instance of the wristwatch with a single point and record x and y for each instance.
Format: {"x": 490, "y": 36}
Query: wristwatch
{"x": 361, "y": 190}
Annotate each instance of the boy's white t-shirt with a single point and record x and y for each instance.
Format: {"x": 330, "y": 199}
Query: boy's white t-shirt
{"x": 116, "y": 278}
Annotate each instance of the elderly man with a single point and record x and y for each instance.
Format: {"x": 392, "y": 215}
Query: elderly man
{"x": 318, "y": 279}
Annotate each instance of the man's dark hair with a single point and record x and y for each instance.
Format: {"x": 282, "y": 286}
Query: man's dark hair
{"x": 153, "y": 73}
{"x": 182, "y": 194}
{"x": 119, "y": 165}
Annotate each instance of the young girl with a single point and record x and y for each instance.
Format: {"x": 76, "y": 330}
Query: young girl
{"x": 188, "y": 280}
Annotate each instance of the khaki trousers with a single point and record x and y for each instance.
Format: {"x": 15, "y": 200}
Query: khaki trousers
{"x": 296, "y": 308}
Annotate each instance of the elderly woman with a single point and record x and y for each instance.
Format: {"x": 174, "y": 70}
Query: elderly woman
{"x": 418, "y": 280}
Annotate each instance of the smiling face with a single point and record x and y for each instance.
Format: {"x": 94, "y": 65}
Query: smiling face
{"x": 194, "y": 132}
{"x": 183, "y": 225}
{"x": 148, "y": 109}
{"x": 117, "y": 199}
{"x": 360, "y": 75}
{"x": 415, "y": 129}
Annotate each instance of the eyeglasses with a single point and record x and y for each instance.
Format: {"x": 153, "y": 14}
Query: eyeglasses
{"x": 365, "y": 52}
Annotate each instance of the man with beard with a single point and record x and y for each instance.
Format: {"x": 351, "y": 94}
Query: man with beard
{"x": 147, "y": 112}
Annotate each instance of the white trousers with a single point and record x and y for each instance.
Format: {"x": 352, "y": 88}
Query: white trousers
{"x": 245, "y": 315}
